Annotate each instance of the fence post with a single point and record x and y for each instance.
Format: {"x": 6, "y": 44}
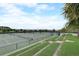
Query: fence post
{"x": 26, "y": 43}
{"x": 16, "y": 46}
{"x": 29, "y": 41}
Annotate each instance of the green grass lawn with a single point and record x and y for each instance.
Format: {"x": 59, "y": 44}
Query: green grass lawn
{"x": 18, "y": 52}
{"x": 67, "y": 49}
{"x": 49, "y": 50}
{"x": 55, "y": 38}
{"x": 73, "y": 38}
{"x": 35, "y": 48}
{"x": 70, "y": 48}
{"x": 32, "y": 51}
{"x": 61, "y": 38}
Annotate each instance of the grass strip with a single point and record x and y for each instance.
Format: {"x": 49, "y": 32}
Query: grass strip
{"x": 69, "y": 49}
{"x": 53, "y": 38}
{"x": 49, "y": 50}
{"x": 34, "y": 50}
{"x": 18, "y": 52}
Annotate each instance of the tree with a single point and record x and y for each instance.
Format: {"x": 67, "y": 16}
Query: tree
{"x": 54, "y": 30}
{"x": 71, "y": 12}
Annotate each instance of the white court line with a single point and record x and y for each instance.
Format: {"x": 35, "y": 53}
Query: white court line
{"x": 45, "y": 47}
{"x": 27, "y": 50}
{"x": 31, "y": 49}
{"x": 22, "y": 48}
{"x": 58, "y": 49}
{"x": 41, "y": 50}
{"x": 26, "y": 46}
{"x": 59, "y": 37}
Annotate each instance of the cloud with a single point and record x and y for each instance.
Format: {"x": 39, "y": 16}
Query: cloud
{"x": 16, "y": 18}
{"x": 30, "y": 4}
{"x": 34, "y": 22}
{"x": 40, "y": 8}
{"x": 11, "y": 10}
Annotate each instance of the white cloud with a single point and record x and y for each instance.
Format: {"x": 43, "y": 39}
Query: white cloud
{"x": 15, "y": 18}
{"x": 34, "y": 22}
{"x": 40, "y": 7}
{"x": 11, "y": 10}
{"x": 43, "y": 7}
{"x": 30, "y": 4}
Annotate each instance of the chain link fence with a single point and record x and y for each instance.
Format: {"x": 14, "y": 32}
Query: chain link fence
{"x": 20, "y": 44}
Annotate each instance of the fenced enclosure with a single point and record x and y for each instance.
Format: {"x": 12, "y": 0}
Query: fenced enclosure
{"x": 13, "y": 41}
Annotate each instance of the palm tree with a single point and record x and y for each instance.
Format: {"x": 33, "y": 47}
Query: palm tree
{"x": 71, "y": 12}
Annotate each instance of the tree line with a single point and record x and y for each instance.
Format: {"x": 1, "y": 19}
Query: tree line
{"x": 4, "y": 29}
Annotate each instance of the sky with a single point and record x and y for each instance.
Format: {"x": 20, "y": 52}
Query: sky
{"x": 32, "y": 15}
